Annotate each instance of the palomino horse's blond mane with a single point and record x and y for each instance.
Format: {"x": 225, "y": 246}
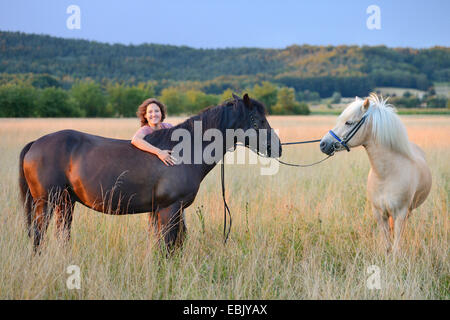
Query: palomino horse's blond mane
{"x": 387, "y": 128}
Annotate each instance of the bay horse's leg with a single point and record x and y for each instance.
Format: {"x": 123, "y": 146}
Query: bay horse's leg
{"x": 383, "y": 223}
{"x": 154, "y": 230}
{"x": 153, "y": 225}
{"x": 42, "y": 215}
{"x": 171, "y": 226}
{"x": 63, "y": 214}
{"x": 399, "y": 227}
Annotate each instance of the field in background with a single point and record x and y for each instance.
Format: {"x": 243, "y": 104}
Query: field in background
{"x": 338, "y": 108}
{"x": 389, "y": 91}
{"x": 442, "y": 88}
{"x": 299, "y": 234}
{"x": 326, "y": 107}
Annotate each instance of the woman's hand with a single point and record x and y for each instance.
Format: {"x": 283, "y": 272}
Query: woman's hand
{"x": 166, "y": 157}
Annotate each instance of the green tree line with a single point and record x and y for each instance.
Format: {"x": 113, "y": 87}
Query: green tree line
{"x": 92, "y": 99}
{"x": 350, "y": 70}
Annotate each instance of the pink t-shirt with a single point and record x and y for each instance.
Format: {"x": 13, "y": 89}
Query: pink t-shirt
{"x": 146, "y": 129}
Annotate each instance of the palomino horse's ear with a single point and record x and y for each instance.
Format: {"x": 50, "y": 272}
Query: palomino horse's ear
{"x": 356, "y": 98}
{"x": 247, "y": 102}
{"x": 366, "y": 104}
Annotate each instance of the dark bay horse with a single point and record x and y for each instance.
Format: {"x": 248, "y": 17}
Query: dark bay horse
{"x": 114, "y": 177}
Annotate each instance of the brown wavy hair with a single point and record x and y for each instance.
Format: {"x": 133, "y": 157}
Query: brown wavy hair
{"x": 142, "y": 109}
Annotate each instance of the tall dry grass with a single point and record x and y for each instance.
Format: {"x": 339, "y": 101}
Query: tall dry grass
{"x": 299, "y": 234}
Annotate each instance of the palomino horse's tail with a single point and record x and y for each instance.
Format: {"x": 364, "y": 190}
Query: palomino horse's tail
{"x": 25, "y": 195}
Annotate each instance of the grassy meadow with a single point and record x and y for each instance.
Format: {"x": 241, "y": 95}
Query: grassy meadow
{"x": 304, "y": 233}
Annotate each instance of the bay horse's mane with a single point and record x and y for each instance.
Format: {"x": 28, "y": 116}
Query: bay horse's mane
{"x": 210, "y": 117}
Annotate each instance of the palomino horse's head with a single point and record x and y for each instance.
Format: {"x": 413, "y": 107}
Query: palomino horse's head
{"x": 259, "y": 135}
{"x": 350, "y": 130}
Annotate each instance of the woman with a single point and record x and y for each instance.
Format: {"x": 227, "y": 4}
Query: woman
{"x": 152, "y": 114}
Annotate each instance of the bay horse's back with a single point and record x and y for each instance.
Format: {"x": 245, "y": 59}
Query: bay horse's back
{"x": 45, "y": 162}
{"x": 43, "y": 179}
{"x": 65, "y": 167}
{"x": 25, "y": 195}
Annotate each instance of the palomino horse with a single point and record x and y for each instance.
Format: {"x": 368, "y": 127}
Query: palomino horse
{"x": 112, "y": 176}
{"x": 399, "y": 179}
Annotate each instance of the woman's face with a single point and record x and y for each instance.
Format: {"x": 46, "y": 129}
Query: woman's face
{"x": 153, "y": 114}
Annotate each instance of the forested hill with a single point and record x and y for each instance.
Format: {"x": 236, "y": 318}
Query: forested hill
{"x": 320, "y": 68}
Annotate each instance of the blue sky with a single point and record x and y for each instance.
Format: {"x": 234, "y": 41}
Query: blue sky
{"x": 244, "y": 23}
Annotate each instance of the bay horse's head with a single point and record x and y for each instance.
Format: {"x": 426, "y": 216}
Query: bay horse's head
{"x": 259, "y": 135}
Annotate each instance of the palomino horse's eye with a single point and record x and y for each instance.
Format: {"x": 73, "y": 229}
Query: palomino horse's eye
{"x": 349, "y": 123}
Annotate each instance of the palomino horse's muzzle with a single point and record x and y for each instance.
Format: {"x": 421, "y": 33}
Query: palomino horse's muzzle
{"x": 339, "y": 141}
{"x": 339, "y": 144}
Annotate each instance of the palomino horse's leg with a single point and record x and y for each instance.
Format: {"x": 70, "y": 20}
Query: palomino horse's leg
{"x": 63, "y": 214}
{"x": 171, "y": 225}
{"x": 399, "y": 226}
{"x": 383, "y": 222}
{"x": 42, "y": 216}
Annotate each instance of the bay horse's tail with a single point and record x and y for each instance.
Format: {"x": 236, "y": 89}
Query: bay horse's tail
{"x": 27, "y": 199}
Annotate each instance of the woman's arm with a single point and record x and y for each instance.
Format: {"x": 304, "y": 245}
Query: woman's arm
{"x": 164, "y": 155}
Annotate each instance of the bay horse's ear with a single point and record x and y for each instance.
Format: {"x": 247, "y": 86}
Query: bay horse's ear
{"x": 235, "y": 97}
{"x": 366, "y": 104}
{"x": 247, "y": 102}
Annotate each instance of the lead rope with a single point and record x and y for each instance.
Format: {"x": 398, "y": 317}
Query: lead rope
{"x": 222, "y": 173}
{"x": 302, "y": 165}
{"x": 300, "y": 142}
{"x": 293, "y": 164}
{"x": 225, "y": 205}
